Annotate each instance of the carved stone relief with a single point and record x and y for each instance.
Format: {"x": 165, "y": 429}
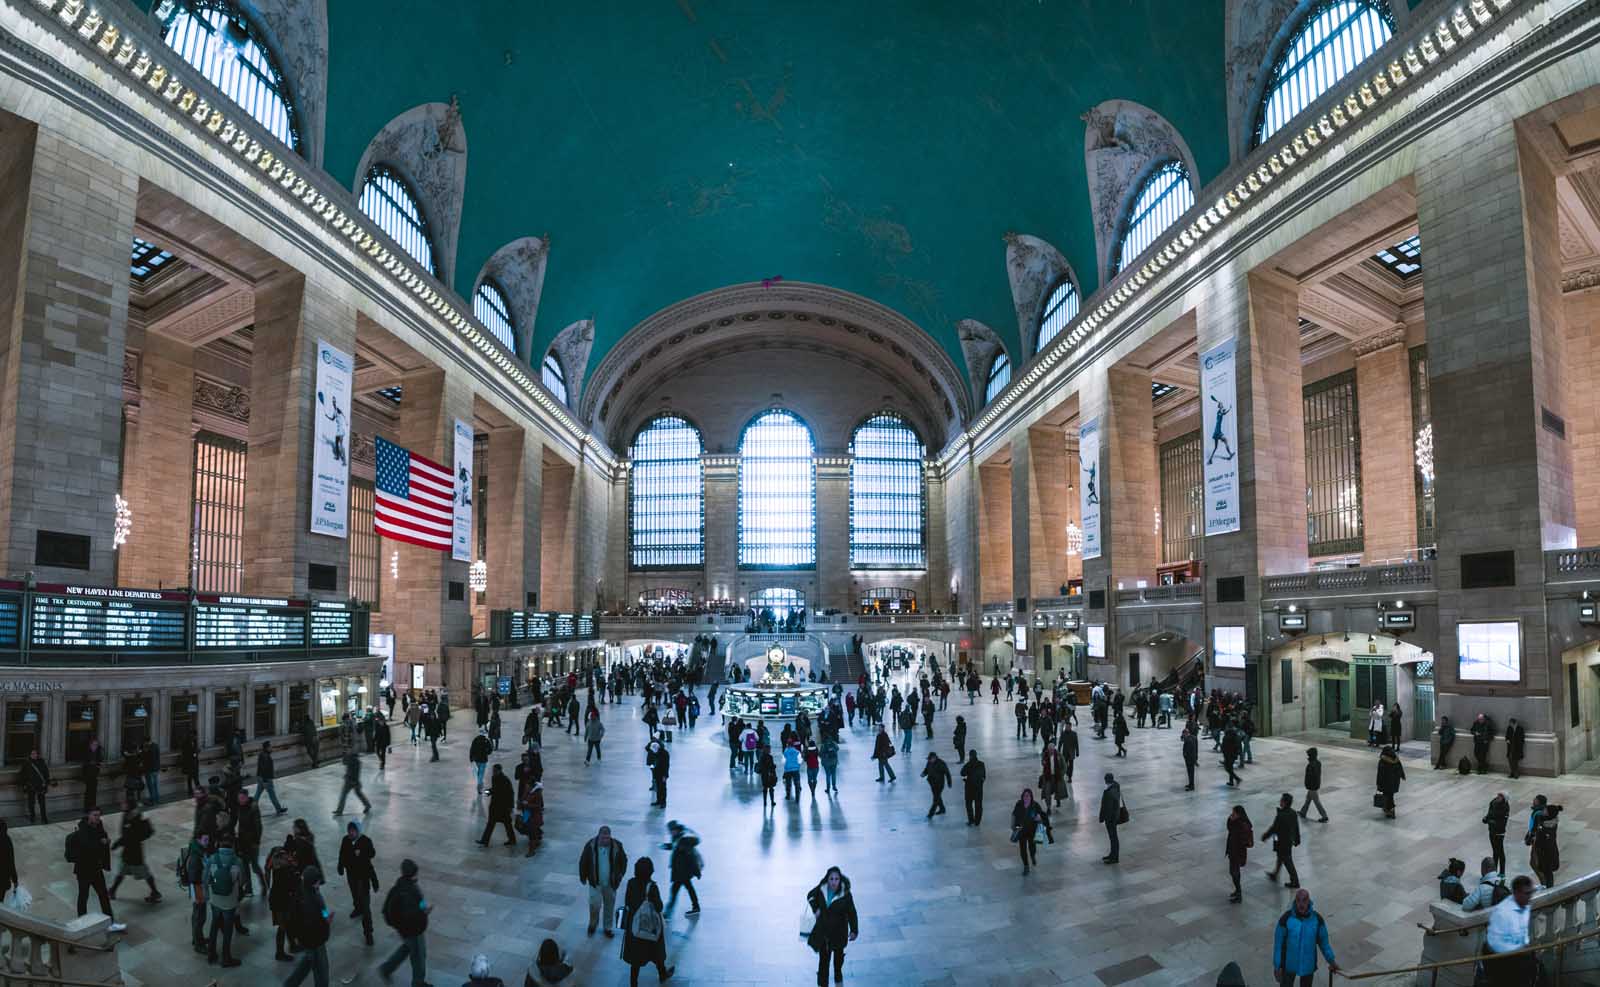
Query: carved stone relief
{"x": 1122, "y": 141}
{"x": 427, "y": 145}
{"x": 1034, "y": 268}
{"x": 572, "y": 346}
{"x": 518, "y": 268}
{"x": 980, "y": 345}
{"x": 227, "y": 400}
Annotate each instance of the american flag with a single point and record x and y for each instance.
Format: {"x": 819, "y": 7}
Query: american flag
{"x": 416, "y": 498}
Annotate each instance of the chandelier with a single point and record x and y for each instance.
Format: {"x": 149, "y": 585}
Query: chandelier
{"x": 1074, "y": 539}
{"x": 1425, "y": 452}
{"x": 478, "y": 576}
{"x": 122, "y": 527}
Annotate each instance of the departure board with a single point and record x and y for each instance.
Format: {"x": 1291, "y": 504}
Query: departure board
{"x": 585, "y": 625}
{"x": 10, "y": 621}
{"x": 566, "y": 626}
{"x": 332, "y": 626}
{"x": 112, "y": 620}
{"x": 241, "y": 623}
{"x": 528, "y": 625}
{"x": 537, "y": 626}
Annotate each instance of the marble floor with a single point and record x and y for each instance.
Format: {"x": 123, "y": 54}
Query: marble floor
{"x": 940, "y": 903}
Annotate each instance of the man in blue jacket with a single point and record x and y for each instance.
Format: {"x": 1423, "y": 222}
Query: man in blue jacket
{"x": 1300, "y": 933}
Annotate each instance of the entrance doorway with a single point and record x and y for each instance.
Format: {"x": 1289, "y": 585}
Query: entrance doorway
{"x": 1336, "y": 703}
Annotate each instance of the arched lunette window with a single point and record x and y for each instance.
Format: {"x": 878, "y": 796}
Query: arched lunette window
{"x": 1165, "y": 196}
{"x": 999, "y": 377}
{"x": 1334, "y": 38}
{"x": 886, "y": 495}
{"x": 555, "y": 379}
{"x": 489, "y": 305}
{"x": 387, "y": 200}
{"x": 666, "y": 500}
{"x": 218, "y": 39}
{"x": 1060, "y": 309}
{"x": 777, "y": 493}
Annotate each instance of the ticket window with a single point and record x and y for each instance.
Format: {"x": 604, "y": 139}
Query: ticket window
{"x": 299, "y": 704}
{"x": 224, "y": 717}
{"x": 83, "y": 726}
{"x": 135, "y": 723}
{"x": 183, "y": 720}
{"x": 265, "y": 713}
{"x": 24, "y": 731}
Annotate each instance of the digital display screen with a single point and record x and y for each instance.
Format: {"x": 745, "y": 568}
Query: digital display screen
{"x": 107, "y": 624}
{"x": 535, "y": 626}
{"x": 527, "y": 625}
{"x": 566, "y": 625}
{"x": 585, "y": 625}
{"x": 10, "y": 621}
{"x": 332, "y": 628}
{"x": 236, "y": 626}
{"x": 769, "y": 705}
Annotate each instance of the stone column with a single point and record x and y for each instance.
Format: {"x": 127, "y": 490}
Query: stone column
{"x": 424, "y": 617}
{"x": 1582, "y": 317}
{"x": 558, "y": 523}
{"x": 995, "y": 534}
{"x": 516, "y": 484}
{"x": 160, "y": 467}
{"x": 1041, "y": 494}
{"x": 721, "y": 479}
{"x": 592, "y": 530}
{"x": 1495, "y": 362}
{"x": 937, "y": 592}
{"x": 833, "y": 535}
{"x": 279, "y": 548}
{"x": 1133, "y": 480}
{"x": 66, "y": 232}
{"x": 1388, "y": 447}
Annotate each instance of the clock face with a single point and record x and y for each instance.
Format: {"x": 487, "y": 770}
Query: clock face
{"x": 775, "y": 654}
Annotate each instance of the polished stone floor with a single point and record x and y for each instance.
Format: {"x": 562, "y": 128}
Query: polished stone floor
{"x": 940, "y": 903}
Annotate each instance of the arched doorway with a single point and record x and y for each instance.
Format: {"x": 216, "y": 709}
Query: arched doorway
{"x": 1330, "y": 683}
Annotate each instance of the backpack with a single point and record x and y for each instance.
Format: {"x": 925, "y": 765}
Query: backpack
{"x": 70, "y": 849}
{"x": 1465, "y": 766}
{"x": 646, "y": 924}
{"x": 1500, "y": 893}
{"x": 219, "y": 881}
{"x": 181, "y": 867}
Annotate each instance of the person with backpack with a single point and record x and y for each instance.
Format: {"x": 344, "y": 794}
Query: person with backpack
{"x": 1490, "y": 890}
{"x": 478, "y": 754}
{"x": 1450, "y": 886}
{"x": 828, "y": 758}
{"x": 1496, "y": 817}
{"x": 1241, "y": 837}
{"x": 223, "y": 877}
{"x": 1301, "y": 933}
{"x": 530, "y": 816}
{"x": 684, "y": 864}
{"x": 600, "y": 868}
{"x": 191, "y": 868}
{"x": 1313, "y": 782}
{"x": 883, "y": 753}
{"x": 835, "y": 924}
{"x": 1112, "y": 814}
{"x": 405, "y": 910}
{"x": 313, "y": 924}
{"x": 88, "y": 849}
{"x": 811, "y": 756}
{"x": 352, "y": 782}
{"x": 356, "y": 856}
{"x": 35, "y": 778}
{"x": 644, "y": 933}
{"x": 1447, "y": 740}
{"x": 282, "y": 888}
{"x": 135, "y": 830}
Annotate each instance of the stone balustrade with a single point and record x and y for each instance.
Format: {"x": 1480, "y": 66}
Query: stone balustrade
{"x": 81, "y": 951}
{"x": 1566, "y": 910}
{"x": 1572, "y": 564}
{"x": 1383, "y": 579}
{"x": 1177, "y": 593}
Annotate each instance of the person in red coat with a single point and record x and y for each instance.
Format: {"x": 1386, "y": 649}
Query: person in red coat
{"x": 1241, "y": 837}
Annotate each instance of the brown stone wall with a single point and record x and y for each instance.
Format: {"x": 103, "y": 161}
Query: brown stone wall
{"x": 557, "y": 518}
{"x": 994, "y": 534}
{"x": 1133, "y": 483}
{"x": 515, "y": 477}
{"x": 1581, "y": 317}
{"x": 160, "y": 473}
{"x": 1388, "y": 454}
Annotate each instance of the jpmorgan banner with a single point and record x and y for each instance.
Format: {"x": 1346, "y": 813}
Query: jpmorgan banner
{"x": 330, "y": 460}
{"x": 1089, "y": 486}
{"x": 1220, "y": 448}
{"x": 461, "y": 536}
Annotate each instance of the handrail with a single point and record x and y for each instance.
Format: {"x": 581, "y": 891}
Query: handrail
{"x": 1423, "y": 967}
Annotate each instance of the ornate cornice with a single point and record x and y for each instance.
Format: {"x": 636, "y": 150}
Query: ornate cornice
{"x": 1582, "y": 280}
{"x": 1392, "y": 336}
{"x": 228, "y": 400}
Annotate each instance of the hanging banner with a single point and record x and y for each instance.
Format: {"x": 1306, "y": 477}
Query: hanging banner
{"x": 1089, "y": 486}
{"x": 1218, "y": 399}
{"x": 330, "y": 460}
{"x": 461, "y": 540}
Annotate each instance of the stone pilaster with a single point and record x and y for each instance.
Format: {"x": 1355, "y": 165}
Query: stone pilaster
{"x": 558, "y": 522}
{"x": 1388, "y": 447}
{"x": 515, "y": 477}
{"x": 424, "y": 617}
{"x": 995, "y": 532}
{"x": 1133, "y": 481}
{"x": 1582, "y": 317}
{"x": 291, "y": 315}
{"x": 160, "y": 456}
{"x": 721, "y": 480}
{"x": 833, "y": 535}
{"x": 66, "y": 231}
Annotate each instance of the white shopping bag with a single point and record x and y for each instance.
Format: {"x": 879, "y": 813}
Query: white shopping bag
{"x": 19, "y": 899}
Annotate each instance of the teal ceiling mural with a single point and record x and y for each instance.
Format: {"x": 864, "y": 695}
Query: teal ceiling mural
{"x": 675, "y": 146}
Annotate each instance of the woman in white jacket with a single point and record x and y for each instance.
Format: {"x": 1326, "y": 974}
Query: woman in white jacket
{"x": 1375, "y": 725}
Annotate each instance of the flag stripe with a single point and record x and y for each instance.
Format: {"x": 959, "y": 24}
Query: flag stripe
{"x": 415, "y": 498}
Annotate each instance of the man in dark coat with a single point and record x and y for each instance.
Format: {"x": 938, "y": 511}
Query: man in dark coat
{"x": 1390, "y": 774}
{"x": 352, "y": 782}
{"x": 836, "y": 925}
{"x": 660, "y": 761}
{"x": 35, "y": 777}
{"x": 406, "y": 910}
{"x": 1111, "y": 815}
{"x": 1191, "y": 756}
{"x": 501, "y": 801}
{"x": 938, "y": 775}
{"x": 266, "y": 777}
{"x": 973, "y": 774}
{"x": 1285, "y": 831}
{"x": 1516, "y": 743}
{"x": 1313, "y": 781}
{"x": 150, "y": 756}
{"x": 89, "y": 851}
{"x": 356, "y": 856}
{"x": 1482, "y": 733}
{"x": 1447, "y": 739}
{"x": 601, "y": 867}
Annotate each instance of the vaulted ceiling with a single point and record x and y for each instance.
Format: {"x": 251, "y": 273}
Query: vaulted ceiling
{"x": 672, "y": 147}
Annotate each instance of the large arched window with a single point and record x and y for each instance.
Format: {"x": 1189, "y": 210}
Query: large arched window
{"x": 218, "y": 39}
{"x": 777, "y": 493}
{"x": 489, "y": 305}
{"x": 388, "y": 201}
{"x": 555, "y": 379}
{"x": 999, "y": 377}
{"x": 1059, "y": 310}
{"x": 1334, "y": 38}
{"x": 1166, "y": 195}
{"x": 666, "y": 503}
{"x": 886, "y": 501}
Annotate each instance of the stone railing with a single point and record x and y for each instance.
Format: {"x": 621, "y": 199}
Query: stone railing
{"x": 1057, "y": 602}
{"x": 1566, "y": 910}
{"x": 1004, "y": 607}
{"x": 1572, "y": 565}
{"x": 1367, "y": 579}
{"x": 1179, "y": 593}
{"x": 81, "y": 951}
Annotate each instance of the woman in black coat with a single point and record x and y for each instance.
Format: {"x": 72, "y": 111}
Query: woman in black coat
{"x": 638, "y": 952}
{"x": 835, "y": 924}
{"x": 1241, "y": 837}
{"x": 1390, "y": 774}
{"x": 1026, "y": 818}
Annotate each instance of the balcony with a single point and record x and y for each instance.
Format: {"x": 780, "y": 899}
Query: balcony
{"x": 1058, "y": 602}
{"x": 1367, "y": 580}
{"x": 1572, "y": 565}
{"x": 1180, "y": 593}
